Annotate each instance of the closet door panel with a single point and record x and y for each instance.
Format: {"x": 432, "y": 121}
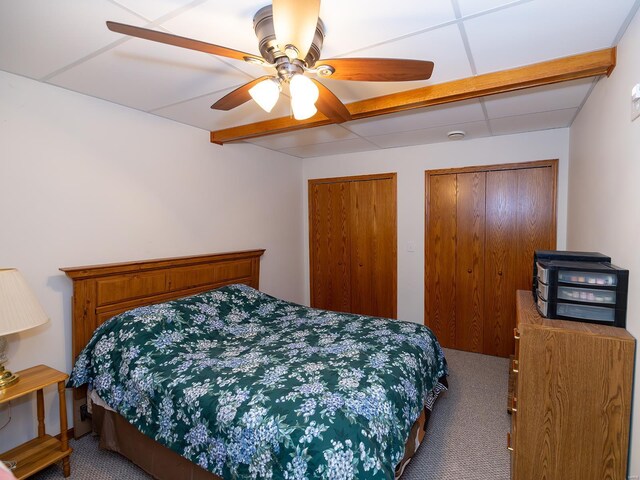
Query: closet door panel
{"x": 536, "y": 219}
{"x": 330, "y": 246}
{"x": 373, "y": 247}
{"x": 470, "y": 208}
{"x": 500, "y": 261}
{"x": 441, "y": 255}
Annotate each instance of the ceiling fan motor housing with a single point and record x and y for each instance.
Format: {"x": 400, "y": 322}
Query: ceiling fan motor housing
{"x": 267, "y": 44}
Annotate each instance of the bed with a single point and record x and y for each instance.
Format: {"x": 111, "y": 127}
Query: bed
{"x": 201, "y": 375}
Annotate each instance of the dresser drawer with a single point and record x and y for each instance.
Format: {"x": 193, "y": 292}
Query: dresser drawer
{"x": 587, "y": 295}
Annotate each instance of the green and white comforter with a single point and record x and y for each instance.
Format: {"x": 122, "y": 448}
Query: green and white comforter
{"x": 251, "y": 387}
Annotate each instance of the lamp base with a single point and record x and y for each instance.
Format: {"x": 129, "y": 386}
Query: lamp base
{"x": 7, "y": 378}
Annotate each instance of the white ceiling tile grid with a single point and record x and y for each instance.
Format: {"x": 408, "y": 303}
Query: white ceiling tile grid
{"x": 66, "y": 43}
{"x": 431, "y": 135}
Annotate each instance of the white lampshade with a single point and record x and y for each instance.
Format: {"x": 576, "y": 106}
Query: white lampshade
{"x": 304, "y": 94}
{"x": 265, "y": 94}
{"x": 19, "y": 307}
{"x": 302, "y": 110}
{"x": 303, "y": 89}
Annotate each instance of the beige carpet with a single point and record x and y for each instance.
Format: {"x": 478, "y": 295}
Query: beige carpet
{"x": 467, "y": 432}
{"x": 466, "y": 436}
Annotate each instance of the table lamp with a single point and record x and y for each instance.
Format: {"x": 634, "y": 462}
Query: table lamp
{"x": 19, "y": 310}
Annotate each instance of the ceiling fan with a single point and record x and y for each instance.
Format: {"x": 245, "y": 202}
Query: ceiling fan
{"x": 290, "y": 36}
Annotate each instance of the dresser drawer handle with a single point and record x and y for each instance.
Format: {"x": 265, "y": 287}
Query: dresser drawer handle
{"x": 509, "y": 446}
{"x": 516, "y": 334}
{"x": 514, "y": 402}
{"x": 515, "y": 366}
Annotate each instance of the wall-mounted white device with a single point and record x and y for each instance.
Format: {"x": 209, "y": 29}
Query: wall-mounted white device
{"x": 635, "y": 102}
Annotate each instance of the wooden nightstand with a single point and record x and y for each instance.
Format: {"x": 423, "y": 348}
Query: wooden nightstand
{"x": 44, "y": 450}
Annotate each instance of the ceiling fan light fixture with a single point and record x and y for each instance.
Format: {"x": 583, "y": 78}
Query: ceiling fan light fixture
{"x": 266, "y": 93}
{"x": 303, "y": 89}
{"x": 304, "y": 94}
{"x": 302, "y": 110}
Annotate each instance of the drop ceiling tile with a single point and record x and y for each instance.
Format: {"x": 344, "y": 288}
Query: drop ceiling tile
{"x": 533, "y": 122}
{"x": 330, "y": 148}
{"x": 146, "y": 75}
{"x": 542, "y": 30}
{"x": 197, "y": 112}
{"x": 423, "y": 118}
{"x": 229, "y": 24}
{"x": 300, "y": 138}
{"x": 38, "y": 37}
{"x": 358, "y": 24}
{"x": 430, "y": 135}
{"x": 550, "y": 97}
{"x": 153, "y": 9}
{"x": 443, "y": 46}
{"x": 471, "y": 7}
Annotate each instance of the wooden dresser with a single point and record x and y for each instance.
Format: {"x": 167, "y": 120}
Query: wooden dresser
{"x": 572, "y": 398}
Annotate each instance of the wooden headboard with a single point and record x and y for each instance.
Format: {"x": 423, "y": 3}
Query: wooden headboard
{"x": 102, "y": 291}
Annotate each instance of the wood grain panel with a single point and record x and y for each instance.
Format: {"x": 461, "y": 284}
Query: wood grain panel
{"x": 119, "y": 289}
{"x": 440, "y": 255}
{"x": 574, "y": 398}
{"x": 536, "y": 219}
{"x": 373, "y": 247}
{"x": 470, "y": 214}
{"x": 500, "y": 261}
{"x": 115, "y": 288}
{"x": 329, "y": 244}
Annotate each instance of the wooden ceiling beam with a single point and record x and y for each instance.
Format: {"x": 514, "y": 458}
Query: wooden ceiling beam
{"x": 601, "y": 62}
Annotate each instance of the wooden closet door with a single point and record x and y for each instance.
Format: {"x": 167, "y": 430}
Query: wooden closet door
{"x": 373, "y": 247}
{"x": 500, "y": 261}
{"x": 482, "y": 226}
{"x": 352, "y": 243}
{"x": 520, "y": 214}
{"x": 440, "y": 295}
{"x": 536, "y": 219}
{"x": 329, "y": 246}
{"x": 470, "y": 246}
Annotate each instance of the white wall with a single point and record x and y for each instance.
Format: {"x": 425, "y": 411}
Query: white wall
{"x": 604, "y": 191}
{"x": 83, "y": 181}
{"x": 410, "y": 164}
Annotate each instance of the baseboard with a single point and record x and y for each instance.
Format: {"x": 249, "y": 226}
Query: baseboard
{"x": 69, "y": 434}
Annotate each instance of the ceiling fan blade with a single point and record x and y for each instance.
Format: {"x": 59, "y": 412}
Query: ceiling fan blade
{"x": 330, "y": 105}
{"x": 183, "y": 42}
{"x": 237, "y": 97}
{"x": 377, "y": 69}
{"x": 294, "y": 22}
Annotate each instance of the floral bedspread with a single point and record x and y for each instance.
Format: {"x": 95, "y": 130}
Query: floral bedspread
{"x": 252, "y": 387}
